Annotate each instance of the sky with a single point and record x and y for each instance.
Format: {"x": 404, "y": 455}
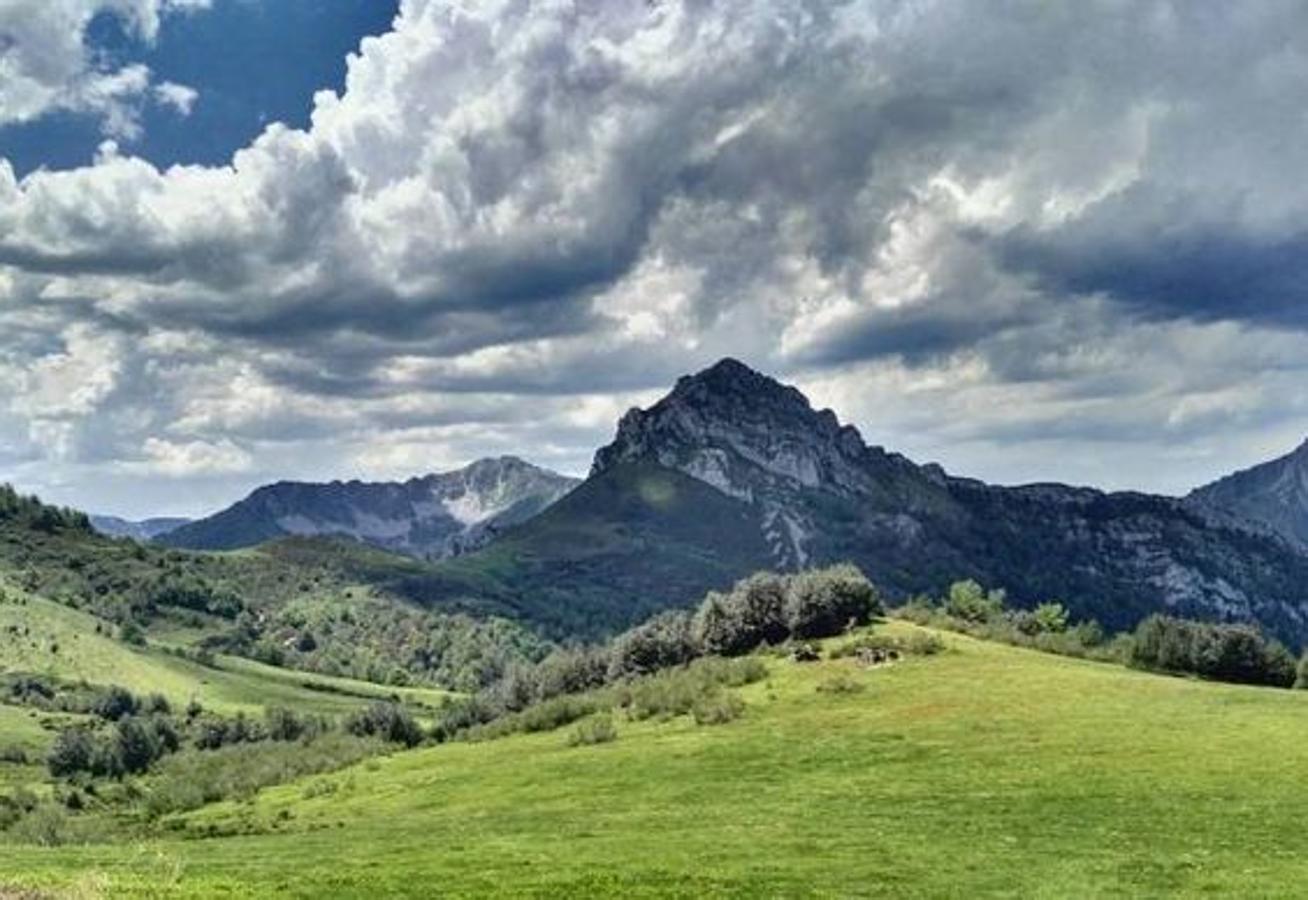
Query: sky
{"x": 248, "y": 240}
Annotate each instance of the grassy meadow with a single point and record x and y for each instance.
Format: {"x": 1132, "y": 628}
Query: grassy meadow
{"x": 984, "y": 770}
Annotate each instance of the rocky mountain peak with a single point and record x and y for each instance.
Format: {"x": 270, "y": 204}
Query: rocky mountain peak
{"x": 761, "y": 442}
{"x": 729, "y": 412}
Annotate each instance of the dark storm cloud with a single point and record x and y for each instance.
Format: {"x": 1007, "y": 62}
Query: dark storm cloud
{"x": 1202, "y": 273}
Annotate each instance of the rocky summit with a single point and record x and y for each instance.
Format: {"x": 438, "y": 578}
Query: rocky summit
{"x": 431, "y": 517}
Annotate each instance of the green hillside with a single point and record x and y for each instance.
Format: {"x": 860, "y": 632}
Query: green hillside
{"x": 331, "y": 607}
{"x": 985, "y": 770}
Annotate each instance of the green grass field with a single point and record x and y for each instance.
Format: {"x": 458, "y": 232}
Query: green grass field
{"x": 987, "y": 770}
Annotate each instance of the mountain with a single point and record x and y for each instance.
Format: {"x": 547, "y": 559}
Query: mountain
{"x": 733, "y": 471}
{"x": 143, "y": 530}
{"x": 431, "y": 517}
{"x": 1274, "y": 494}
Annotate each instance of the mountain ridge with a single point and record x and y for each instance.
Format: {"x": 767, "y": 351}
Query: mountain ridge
{"x": 814, "y": 492}
{"x": 430, "y": 517}
{"x": 1273, "y": 493}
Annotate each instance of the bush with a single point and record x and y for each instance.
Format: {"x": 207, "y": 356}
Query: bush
{"x": 191, "y": 779}
{"x": 825, "y": 602}
{"x": 571, "y": 671}
{"x": 281, "y": 724}
{"x": 840, "y": 684}
{"x": 74, "y": 750}
{"x": 717, "y": 708}
{"x": 923, "y": 644}
{"x": 13, "y": 753}
{"x": 753, "y": 613}
{"x": 972, "y": 603}
{"x": 388, "y": 721}
{"x": 597, "y": 730}
{"x": 661, "y": 643}
{"x": 116, "y": 703}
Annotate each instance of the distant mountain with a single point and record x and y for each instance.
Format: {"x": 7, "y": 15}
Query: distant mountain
{"x": 142, "y": 530}
{"x": 1274, "y": 494}
{"x": 732, "y": 471}
{"x": 431, "y": 517}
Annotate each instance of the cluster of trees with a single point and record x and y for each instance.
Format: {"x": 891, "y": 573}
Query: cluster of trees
{"x": 763, "y": 609}
{"x": 1237, "y": 653}
{"x": 971, "y": 608}
{"x": 136, "y": 732}
{"x": 32, "y": 512}
{"x": 1234, "y": 653}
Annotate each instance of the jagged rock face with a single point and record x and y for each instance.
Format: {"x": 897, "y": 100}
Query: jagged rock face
{"x": 1274, "y": 494}
{"x": 820, "y": 495}
{"x": 431, "y": 517}
{"x": 762, "y": 442}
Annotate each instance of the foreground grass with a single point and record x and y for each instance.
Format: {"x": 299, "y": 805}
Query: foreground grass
{"x": 985, "y": 770}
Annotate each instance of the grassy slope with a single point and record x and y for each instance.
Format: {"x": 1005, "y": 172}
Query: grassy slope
{"x": 989, "y": 770}
{"x": 237, "y": 684}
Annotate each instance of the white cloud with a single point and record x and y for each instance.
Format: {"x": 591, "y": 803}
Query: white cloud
{"x": 193, "y": 458}
{"x": 178, "y": 97}
{"x": 46, "y": 64}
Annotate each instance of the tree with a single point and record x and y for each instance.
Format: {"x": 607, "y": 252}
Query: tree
{"x": 137, "y": 744}
{"x": 972, "y": 603}
{"x": 718, "y": 628}
{"x": 1051, "y": 617}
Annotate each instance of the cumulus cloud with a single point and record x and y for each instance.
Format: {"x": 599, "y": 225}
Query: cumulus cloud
{"x": 46, "y": 64}
{"x": 512, "y": 212}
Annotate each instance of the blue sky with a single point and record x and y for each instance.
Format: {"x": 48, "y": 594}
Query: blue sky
{"x": 252, "y": 62}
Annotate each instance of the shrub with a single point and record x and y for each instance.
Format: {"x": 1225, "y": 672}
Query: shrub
{"x": 389, "y": 721}
{"x": 13, "y": 753}
{"x": 662, "y": 642}
{"x": 571, "y": 671}
{"x": 116, "y": 703}
{"x": 190, "y": 779}
{"x": 972, "y": 603}
{"x": 923, "y": 643}
{"x": 717, "y": 708}
{"x": 753, "y": 613}
{"x": 840, "y": 684}
{"x": 824, "y": 602}
{"x": 281, "y": 724}
{"x": 1050, "y": 618}
{"x": 74, "y": 750}
{"x": 596, "y": 730}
